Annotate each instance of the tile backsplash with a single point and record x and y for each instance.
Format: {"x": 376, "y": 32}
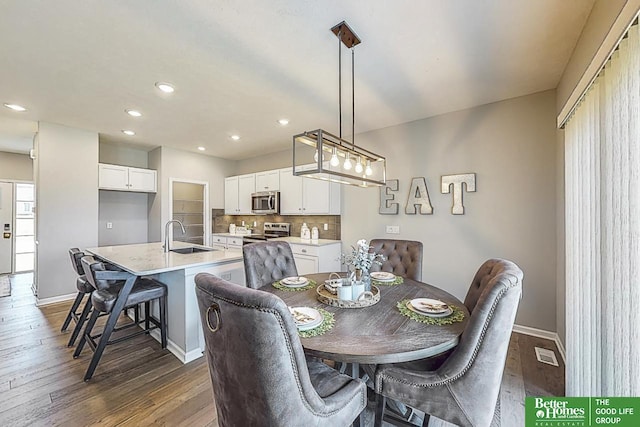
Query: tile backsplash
{"x": 221, "y": 223}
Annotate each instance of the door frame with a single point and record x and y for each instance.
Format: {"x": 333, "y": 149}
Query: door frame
{"x": 13, "y": 183}
{"x": 205, "y": 207}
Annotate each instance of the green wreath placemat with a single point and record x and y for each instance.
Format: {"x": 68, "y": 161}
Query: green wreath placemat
{"x": 398, "y": 280}
{"x": 312, "y": 284}
{"x": 327, "y": 323}
{"x": 456, "y": 316}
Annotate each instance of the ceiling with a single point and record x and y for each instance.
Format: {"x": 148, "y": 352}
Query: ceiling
{"x": 239, "y": 66}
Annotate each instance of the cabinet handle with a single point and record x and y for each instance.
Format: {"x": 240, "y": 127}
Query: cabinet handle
{"x": 266, "y": 188}
{"x": 304, "y": 251}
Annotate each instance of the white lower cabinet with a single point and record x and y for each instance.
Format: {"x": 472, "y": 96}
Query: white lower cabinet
{"x": 226, "y": 242}
{"x": 316, "y": 259}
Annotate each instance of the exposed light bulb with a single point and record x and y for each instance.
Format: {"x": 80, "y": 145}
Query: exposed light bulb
{"x": 15, "y": 107}
{"x": 347, "y": 163}
{"x": 315, "y": 156}
{"x": 368, "y": 171}
{"x": 359, "y": 167}
{"x": 334, "y": 157}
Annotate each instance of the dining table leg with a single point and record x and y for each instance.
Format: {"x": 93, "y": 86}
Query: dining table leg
{"x": 355, "y": 373}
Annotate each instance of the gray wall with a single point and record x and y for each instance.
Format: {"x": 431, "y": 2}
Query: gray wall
{"x": 178, "y": 164}
{"x": 17, "y": 167}
{"x": 127, "y": 211}
{"x": 122, "y": 155}
{"x": 264, "y": 163}
{"x": 66, "y": 177}
{"x": 511, "y": 146}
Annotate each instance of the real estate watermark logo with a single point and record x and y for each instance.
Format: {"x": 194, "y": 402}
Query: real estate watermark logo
{"x": 582, "y": 411}
{"x": 564, "y": 412}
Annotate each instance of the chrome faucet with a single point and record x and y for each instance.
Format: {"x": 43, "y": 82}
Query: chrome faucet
{"x": 166, "y": 233}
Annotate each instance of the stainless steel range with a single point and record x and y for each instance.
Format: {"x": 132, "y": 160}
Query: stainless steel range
{"x": 271, "y": 230}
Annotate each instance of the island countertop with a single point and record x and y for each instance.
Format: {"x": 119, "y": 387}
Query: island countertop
{"x": 149, "y": 258}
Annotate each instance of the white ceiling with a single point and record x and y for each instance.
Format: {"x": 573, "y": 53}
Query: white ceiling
{"x": 239, "y": 66}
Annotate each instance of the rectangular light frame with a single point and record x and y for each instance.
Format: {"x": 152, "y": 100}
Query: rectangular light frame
{"x": 324, "y": 142}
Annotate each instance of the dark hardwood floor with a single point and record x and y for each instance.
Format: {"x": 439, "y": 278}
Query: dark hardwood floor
{"x": 137, "y": 383}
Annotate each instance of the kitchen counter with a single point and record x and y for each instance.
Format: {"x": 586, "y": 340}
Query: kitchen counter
{"x": 299, "y": 241}
{"x": 149, "y": 258}
{"x": 177, "y": 271}
{"x": 230, "y": 235}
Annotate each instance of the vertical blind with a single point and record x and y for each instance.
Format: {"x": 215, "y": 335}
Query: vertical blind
{"x": 602, "y": 214}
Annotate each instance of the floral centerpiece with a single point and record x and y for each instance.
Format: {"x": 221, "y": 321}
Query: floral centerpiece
{"x": 361, "y": 259}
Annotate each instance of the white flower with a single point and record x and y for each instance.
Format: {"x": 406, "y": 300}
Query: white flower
{"x": 360, "y": 257}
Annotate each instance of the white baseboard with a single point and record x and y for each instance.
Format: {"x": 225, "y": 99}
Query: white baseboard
{"x": 177, "y": 351}
{"x": 53, "y": 300}
{"x": 541, "y": 333}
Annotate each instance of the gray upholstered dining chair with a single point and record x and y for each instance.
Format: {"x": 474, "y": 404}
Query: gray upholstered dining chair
{"x": 257, "y": 364}
{"x": 464, "y": 388}
{"x": 403, "y": 257}
{"x": 266, "y": 262}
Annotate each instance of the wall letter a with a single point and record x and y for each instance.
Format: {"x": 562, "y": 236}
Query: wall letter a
{"x": 418, "y": 196}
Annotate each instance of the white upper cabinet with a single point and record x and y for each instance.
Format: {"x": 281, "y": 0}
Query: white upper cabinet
{"x": 307, "y": 196}
{"x": 246, "y": 187}
{"x": 268, "y": 181}
{"x": 123, "y": 178}
{"x": 237, "y": 194}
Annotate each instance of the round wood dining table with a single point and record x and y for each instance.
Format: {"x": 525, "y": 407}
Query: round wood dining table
{"x": 378, "y": 333}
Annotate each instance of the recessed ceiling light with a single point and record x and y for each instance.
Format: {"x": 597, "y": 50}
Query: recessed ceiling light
{"x": 133, "y": 113}
{"x": 15, "y": 107}
{"x": 128, "y": 132}
{"x": 201, "y": 148}
{"x": 235, "y": 137}
{"x": 165, "y": 87}
{"x": 283, "y": 122}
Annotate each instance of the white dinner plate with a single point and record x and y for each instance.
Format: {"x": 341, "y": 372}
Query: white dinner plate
{"x": 295, "y": 282}
{"x": 383, "y": 276}
{"x": 306, "y": 317}
{"x": 429, "y": 306}
{"x": 422, "y": 313}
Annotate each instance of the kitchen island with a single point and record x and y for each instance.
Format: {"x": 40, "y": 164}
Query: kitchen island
{"x": 177, "y": 271}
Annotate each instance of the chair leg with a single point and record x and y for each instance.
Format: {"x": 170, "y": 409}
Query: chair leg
{"x": 381, "y": 402}
{"x": 163, "y": 321}
{"x": 104, "y": 339}
{"x": 147, "y": 313}
{"x": 136, "y": 313}
{"x": 87, "y": 331}
{"x": 425, "y": 421}
{"x": 72, "y": 310}
{"x": 80, "y": 324}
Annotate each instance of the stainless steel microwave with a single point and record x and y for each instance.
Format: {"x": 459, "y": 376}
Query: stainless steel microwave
{"x": 265, "y": 202}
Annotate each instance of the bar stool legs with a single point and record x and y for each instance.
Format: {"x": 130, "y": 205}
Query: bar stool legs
{"x": 80, "y": 322}
{"x": 72, "y": 312}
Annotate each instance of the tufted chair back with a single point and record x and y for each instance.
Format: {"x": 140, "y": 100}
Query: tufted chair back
{"x": 76, "y": 256}
{"x": 266, "y": 262}
{"x": 90, "y": 265}
{"x": 404, "y": 257}
{"x": 257, "y": 364}
{"x": 465, "y": 388}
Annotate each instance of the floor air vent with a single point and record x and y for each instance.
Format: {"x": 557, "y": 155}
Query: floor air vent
{"x": 546, "y": 356}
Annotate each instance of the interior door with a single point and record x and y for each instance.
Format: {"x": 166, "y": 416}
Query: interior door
{"x": 6, "y": 226}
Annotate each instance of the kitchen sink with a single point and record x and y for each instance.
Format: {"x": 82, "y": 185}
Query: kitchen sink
{"x": 191, "y": 250}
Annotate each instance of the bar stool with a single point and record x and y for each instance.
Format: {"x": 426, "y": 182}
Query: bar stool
{"x": 84, "y": 288}
{"x": 107, "y": 287}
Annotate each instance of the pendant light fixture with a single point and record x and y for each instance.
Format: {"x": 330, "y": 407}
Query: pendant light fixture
{"x": 307, "y": 145}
